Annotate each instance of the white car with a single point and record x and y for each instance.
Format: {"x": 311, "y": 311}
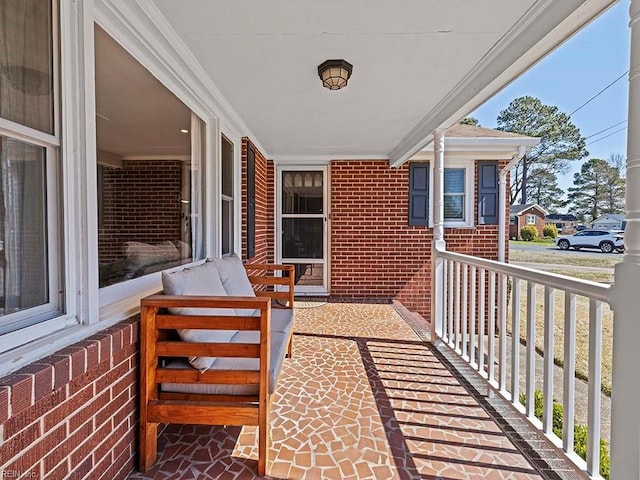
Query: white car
{"x": 606, "y": 240}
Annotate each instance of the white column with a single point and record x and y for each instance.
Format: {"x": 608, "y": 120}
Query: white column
{"x": 625, "y": 399}
{"x": 437, "y": 264}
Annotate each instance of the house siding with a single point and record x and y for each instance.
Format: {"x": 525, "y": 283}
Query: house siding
{"x": 74, "y": 414}
{"x": 374, "y": 252}
{"x": 264, "y": 206}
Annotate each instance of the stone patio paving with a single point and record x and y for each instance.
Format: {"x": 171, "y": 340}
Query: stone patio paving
{"x": 364, "y": 397}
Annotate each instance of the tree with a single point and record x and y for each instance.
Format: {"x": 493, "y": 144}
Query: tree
{"x": 543, "y": 189}
{"x": 598, "y": 188}
{"x": 560, "y": 141}
{"x": 470, "y": 121}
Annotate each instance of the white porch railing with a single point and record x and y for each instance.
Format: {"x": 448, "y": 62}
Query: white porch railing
{"x": 475, "y": 322}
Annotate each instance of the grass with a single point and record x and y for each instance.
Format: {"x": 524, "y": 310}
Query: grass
{"x": 581, "y": 337}
{"x": 555, "y": 261}
{"x": 547, "y": 240}
{"x": 558, "y": 258}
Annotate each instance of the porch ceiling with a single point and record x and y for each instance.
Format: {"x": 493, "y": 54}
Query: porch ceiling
{"x": 418, "y": 65}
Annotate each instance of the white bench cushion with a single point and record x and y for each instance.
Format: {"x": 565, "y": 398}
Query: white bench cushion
{"x": 277, "y": 353}
{"x": 235, "y": 280}
{"x": 199, "y": 280}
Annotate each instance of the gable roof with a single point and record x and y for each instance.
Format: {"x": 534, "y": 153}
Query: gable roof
{"x": 565, "y": 217}
{"x": 518, "y": 210}
{"x": 618, "y": 217}
{"x": 462, "y": 130}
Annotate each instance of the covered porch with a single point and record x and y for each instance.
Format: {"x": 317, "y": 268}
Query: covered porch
{"x": 366, "y": 396}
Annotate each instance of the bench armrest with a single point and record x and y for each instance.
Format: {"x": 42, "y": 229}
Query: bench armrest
{"x": 288, "y": 281}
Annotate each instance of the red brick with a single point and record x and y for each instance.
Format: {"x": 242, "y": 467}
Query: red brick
{"x": 61, "y": 369}
{"x": 21, "y": 387}
{"x": 42, "y": 379}
{"x": 19, "y": 442}
{"x": 4, "y": 404}
{"x": 18, "y": 421}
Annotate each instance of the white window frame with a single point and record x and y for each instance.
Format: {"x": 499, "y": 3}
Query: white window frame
{"x": 529, "y": 217}
{"x": 42, "y": 320}
{"x": 469, "y": 193}
{"x": 231, "y": 199}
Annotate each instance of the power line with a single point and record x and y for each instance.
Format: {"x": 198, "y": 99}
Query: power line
{"x": 604, "y": 130}
{"x": 599, "y": 93}
{"x": 602, "y": 138}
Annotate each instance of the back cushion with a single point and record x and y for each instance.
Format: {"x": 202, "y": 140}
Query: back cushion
{"x": 200, "y": 280}
{"x": 235, "y": 281}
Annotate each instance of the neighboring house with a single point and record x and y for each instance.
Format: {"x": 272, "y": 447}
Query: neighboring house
{"x": 528, "y": 214}
{"x": 563, "y": 221}
{"x": 609, "y": 221}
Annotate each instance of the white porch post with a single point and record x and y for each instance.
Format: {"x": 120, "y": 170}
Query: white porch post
{"x": 625, "y": 399}
{"x": 437, "y": 264}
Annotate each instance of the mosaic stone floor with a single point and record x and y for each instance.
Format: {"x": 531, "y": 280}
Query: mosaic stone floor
{"x": 362, "y": 398}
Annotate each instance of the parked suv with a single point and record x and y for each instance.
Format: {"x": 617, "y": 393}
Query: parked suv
{"x": 606, "y": 240}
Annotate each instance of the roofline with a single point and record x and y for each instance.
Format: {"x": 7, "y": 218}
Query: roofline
{"x": 519, "y": 49}
{"x": 467, "y": 144}
{"x": 535, "y": 205}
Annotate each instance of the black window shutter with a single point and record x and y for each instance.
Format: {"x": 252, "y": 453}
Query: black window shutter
{"x": 488, "y": 201}
{"x": 251, "y": 202}
{"x": 419, "y": 194}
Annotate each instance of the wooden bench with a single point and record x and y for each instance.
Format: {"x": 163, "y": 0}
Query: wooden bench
{"x": 236, "y": 390}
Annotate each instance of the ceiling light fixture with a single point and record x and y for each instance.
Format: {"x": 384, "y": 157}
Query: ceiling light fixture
{"x": 334, "y": 73}
{"x": 184, "y": 130}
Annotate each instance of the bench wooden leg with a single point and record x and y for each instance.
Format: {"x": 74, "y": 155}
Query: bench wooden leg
{"x": 148, "y": 445}
{"x": 264, "y": 439}
{"x": 289, "y": 353}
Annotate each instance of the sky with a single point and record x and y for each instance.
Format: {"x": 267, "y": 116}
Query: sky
{"x": 572, "y": 74}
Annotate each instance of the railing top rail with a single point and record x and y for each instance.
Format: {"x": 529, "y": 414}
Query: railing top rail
{"x": 585, "y": 288}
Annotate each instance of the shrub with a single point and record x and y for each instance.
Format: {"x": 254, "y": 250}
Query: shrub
{"x": 528, "y": 233}
{"x": 550, "y": 230}
{"x": 579, "y": 432}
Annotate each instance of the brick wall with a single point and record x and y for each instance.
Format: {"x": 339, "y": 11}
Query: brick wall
{"x": 140, "y": 202}
{"x": 264, "y": 206}
{"x": 374, "y": 252}
{"x": 74, "y": 414}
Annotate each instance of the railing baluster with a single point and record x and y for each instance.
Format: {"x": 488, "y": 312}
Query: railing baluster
{"x": 450, "y": 311}
{"x": 569, "y": 369}
{"x": 547, "y": 410}
{"x": 472, "y": 319}
{"x": 491, "y": 350}
{"x": 531, "y": 349}
{"x": 502, "y": 322}
{"x": 515, "y": 340}
{"x": 458, "y": 304}
{"x": 465, "y": 311}
{"x": 595, "y": 373}
{"x": 481, "y": 317}
{"x": 445, "y": 298}
{"x": 471, "y": 303}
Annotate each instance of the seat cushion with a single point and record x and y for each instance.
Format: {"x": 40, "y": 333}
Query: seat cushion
{"x": 281, "y": 320}
{"x": 277, "y": 353}
{"x": 235, "y": 280}
{"x": 199, "y": 280}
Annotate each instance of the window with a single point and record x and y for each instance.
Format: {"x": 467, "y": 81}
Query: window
{"x": 458, "y": 194}
{"x": 227, "y": 197}
{"x": 150, "y": 152}
{"x": 454, "y": 194}
{"x": 30, "y": 276}
{"x": 531, "y": 219}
